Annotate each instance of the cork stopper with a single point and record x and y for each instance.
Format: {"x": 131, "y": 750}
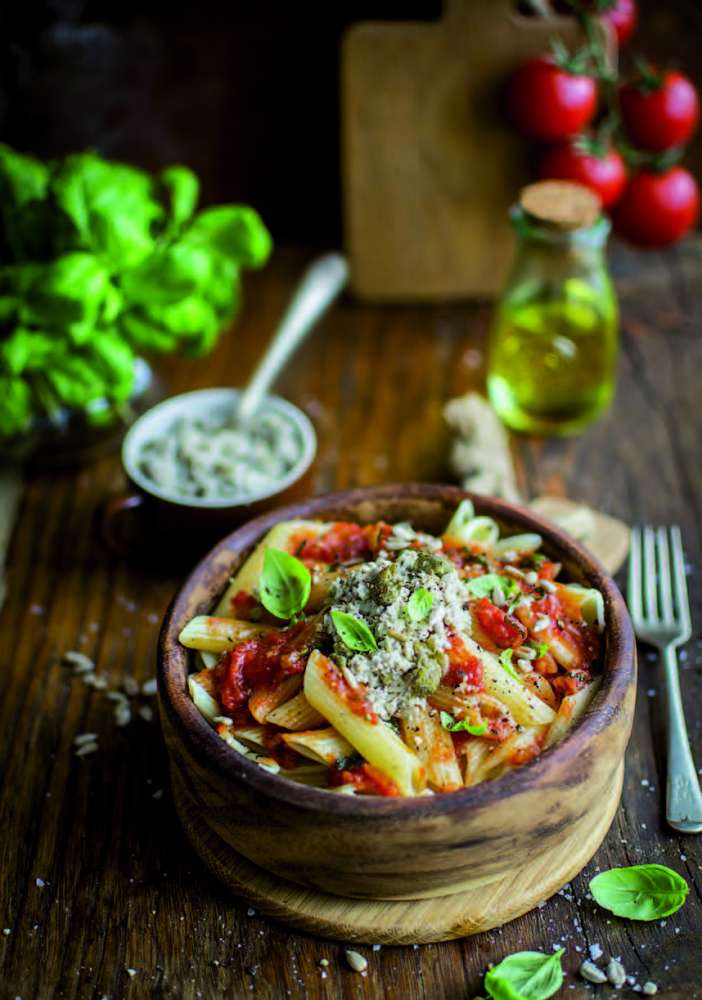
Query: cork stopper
{"x": 561, "y": 204}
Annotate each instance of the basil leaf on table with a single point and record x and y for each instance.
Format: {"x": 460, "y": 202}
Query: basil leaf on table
{"x": 419, "y": 604}
{"x": 640, "y": 892}
{"x": 461, "y": 725}
{"x": 353, "y": 632}
{"x": 23, "y": 185}
{"x": 526, "y": 975}
{"x": 285, "y": 584}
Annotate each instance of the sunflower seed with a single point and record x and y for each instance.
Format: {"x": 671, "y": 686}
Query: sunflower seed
{"x": 357, "y": 962}
{"x": 591, "y": 972}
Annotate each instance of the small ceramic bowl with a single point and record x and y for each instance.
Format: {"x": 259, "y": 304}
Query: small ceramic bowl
{"x": 504, "y": 845}
{"x": 149, "y": 513}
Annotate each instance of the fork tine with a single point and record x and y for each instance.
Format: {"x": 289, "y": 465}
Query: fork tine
{"x": 649, "y": 574}
{"x": 634, "y": 584}
{"x": 666, "y": 593}
{"x": 680, "y": 583}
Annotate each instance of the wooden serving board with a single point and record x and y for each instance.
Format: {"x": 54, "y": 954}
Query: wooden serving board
{"x": 430, "y": 164}
{"x": 395, "y": 922}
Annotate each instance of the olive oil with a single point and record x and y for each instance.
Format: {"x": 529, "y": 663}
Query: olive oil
{"x": 554, "y": 335}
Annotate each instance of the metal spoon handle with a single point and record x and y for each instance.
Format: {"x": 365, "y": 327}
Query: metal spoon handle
{"x": 320, "y": 285}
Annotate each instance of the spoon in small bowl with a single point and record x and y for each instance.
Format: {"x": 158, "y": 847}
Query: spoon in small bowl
{"x": 168, "y": 513}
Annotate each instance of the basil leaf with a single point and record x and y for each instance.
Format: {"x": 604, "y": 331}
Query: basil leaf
{"x": 353, "y": 632}
{"x": 527, "y": 975}
{"x": 641, "y": 892}
{"x": 540, "y": 647}
{"x": 419, "y": 605}
{"x": 461, "y": 725}
{"x": 483, "y": 586}
{"x": 236, "y": 231}
{"x": 506, "y": 661}
{"x": 183, "y": 190}
{"x": 285, "y": 584}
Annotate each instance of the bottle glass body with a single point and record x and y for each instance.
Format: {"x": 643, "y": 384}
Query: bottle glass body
{"x": 554, "y": 335}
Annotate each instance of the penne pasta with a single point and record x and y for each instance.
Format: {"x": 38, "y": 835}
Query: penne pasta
{"x": 400, "y": 626}
{"x": 202, "y": 690}
{"x": 296, "y": 714}
{"x": 374, "y": 740}
{"x": 325, "y": 746}
{"x": 571, "y": 710}
{"x": 217, "y": 635}
{"x": 265, "y": 699}
{"x": 424, "y": 733}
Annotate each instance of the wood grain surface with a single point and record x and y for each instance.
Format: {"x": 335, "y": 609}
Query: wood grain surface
{"x": 120, "y": 887}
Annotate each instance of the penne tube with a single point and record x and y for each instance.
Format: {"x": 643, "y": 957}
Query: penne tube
{"x": 252, "y": 736}
{"x": 279, "y": 537}
{"x": 571, "y": 710}
{"x": 203, "y": 692}
{"x": 217, "y": 635}
{"x": 474, "y": 752}
{"x": 519, "y": 544}
{"x": 373, "y": 739}
{"x": 526, "y": 707}
{"x": 424, "y": 734}
{"x": 225, "y": 732}
{"x": 208, "y": 660}
{"x": 296, "y": 714}
{"x": 307, "y": 774}
{"x": 325, "y": 746}
{"x": 516, "y": 749}
{"x": 265, "y": 699}
{"x": 322, "y": 579}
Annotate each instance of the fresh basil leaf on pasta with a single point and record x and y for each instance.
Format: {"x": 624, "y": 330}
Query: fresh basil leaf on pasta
{"x": 641, "y": 892}
{"x": 353, "y": 632}
{"x": 526, "y": 975}
{"x": 285, "y": 584}
{"x": 419, "y": 605}
{"x": 540, "y": 647}
{"x": 461, "y": 725}
{"x": 506, "y": 662}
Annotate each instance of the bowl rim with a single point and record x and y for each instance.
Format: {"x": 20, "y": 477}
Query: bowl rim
{"x": 294, "y": 413}
{"x": 210, "y": 751}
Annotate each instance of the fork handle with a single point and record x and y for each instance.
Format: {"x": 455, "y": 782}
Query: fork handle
{"x": 683, "y": 797}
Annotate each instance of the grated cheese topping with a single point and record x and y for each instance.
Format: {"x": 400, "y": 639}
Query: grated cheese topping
{"x": 411, "y": 657}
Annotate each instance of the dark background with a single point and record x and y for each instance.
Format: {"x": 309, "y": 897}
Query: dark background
{"x": 244, "y": 93}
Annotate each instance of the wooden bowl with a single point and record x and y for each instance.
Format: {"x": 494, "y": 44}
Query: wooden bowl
{"x": 478, "y": 856}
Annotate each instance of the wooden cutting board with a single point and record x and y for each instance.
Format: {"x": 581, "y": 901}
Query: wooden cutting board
{"x": 430, "y": 165}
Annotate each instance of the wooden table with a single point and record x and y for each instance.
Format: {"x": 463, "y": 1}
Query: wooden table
{"x": 96, "y": 875}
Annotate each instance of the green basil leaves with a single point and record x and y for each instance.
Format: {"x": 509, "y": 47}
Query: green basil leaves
{"x": 506, "y": 662}
{"x": 419, "y": 605}
{"x": 461, "y": 725}
{"x": 483, "y": 586}
{"x": 526, "y": 975}
{"x": 285, "y": 584}
{"x": 641, "y": 892}
{"x": 353, "y": 632}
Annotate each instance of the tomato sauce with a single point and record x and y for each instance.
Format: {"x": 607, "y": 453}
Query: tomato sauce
{"x": 355, "y": 699}
{"x": 244, "y": 604}
{"x": 463, "y": 668}
{"x": 279, "y": 750}
{"x": 263, "y": 660}
{"x": 366, "y": 778}
{"x": 344, "y": 542}
{"x": 504, "y": 630}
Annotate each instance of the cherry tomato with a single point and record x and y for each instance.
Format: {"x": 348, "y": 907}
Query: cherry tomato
{"x": 623, "y": 17}
{"x": 547, "y": 102}
{"x": 659, "y": 110}
{"x": 657, "y": 209}
{"x": 603, "y": 174}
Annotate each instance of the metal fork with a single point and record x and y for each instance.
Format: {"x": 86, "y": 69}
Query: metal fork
{"x": 660, "y": 613}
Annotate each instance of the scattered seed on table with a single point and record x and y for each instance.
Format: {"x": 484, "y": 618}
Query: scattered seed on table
{"x": 82, "y": 738}
{"x": 40, "y": 882}
{"x": 85, "y": 748}
{"x": 117, "y": 696}
{"x": 131, "y": 686}
{"x": 131, "y": 972}
{"x": 158, "y": 794}
{"x": 616, "y": 973}
{"x": 357, "y": 962}
{"x": 146, "y": 713}
{"x": 324, "y": 961}
{"x": 81, "y": 663}
{"x": 150, "y": 687}
{"x": 122, "y": 715}
{"x": 6, "y": 931}
{"x": 649, "y": 988}
{"x": 591, "y": 972}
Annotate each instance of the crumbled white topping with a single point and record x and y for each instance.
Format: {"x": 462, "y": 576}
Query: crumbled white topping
{"x": 411, "y": 656}
{"x": 150, "y": 687}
